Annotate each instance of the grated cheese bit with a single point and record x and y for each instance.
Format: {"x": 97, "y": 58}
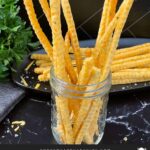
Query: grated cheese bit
{"x": 24, "y": 81}
{"x": 37, "y": 86}
{"x": 29, "y": 66}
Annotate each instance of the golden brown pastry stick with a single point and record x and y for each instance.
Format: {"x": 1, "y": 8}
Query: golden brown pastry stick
{"x": 47, "y": 64}
{"x": 128, "y": 81}
{"x": 40, "y": 62}
{"x": 132, "y": 51}
{"x": 67, "y": 41}
{"x": 135, "y": 70}
{"x": 112, "y": 10}
{"x": 131, "y": 64}
{"x": 40, "y": 57}
{"x": 40, "y": 70}
{"x": 59, "y": 69}
{"x": 86, "y": 124}
{"x": 69, "y": 67}
{"x": 141, "y": 75}
{"x": 93, "y": 129}
{"x": 73, "y": 104}
{"x": 122, "y": 19}
{"x": 103, "y": 23}
{"x": 37, "y": 28}
{"x": 132, "y": 48}
{"x": 45, "y": 6}
{"x": 44, "y": 77}
{"x": 103, "y": 44}
{"x": 83, "y": 79}
{"x": 121, "y": 22}
{"x": 85, "y": 52}
{"x": 81, "y": 127}
{"x": 60, "y": 128}
{"x": 72, "y": 33}
{"x": 138, "y": 57}
{"x": 86, "y": 71}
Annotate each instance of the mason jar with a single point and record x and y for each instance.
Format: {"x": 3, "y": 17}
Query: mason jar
{"x": 86, "y": 110}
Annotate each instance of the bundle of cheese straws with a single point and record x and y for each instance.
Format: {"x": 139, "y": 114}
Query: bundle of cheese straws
{"x": 130, "y": 65}
{"x": 98, "y": 61}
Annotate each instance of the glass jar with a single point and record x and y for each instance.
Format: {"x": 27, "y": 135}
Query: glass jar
{"x": 78, "y": 113}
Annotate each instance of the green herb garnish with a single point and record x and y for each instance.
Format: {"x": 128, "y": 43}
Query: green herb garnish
{"x": 15, "y": 38}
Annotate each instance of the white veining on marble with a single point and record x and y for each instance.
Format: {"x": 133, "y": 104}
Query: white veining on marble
{"x": 130, "y": 125}
{"x": 29, "y": 131}
{"x": 144, "y": 105}
{"x": 114, "y": 120}
{"x": 146, "y": 121}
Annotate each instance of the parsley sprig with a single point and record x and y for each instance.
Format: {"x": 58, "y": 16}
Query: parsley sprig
{"x": 15, "y": 38}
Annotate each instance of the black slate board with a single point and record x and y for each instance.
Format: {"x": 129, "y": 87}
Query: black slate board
{"x": 45, "y": 89}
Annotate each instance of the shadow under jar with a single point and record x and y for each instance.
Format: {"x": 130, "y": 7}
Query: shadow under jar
{"x": 83, "y": 120}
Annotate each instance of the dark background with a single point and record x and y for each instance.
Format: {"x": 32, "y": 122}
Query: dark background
{"x": 87, "y": 17}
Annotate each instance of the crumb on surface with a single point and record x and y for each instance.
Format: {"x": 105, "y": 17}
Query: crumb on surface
{"x": 125, "y": 139}
{"x": 17, "y": 128}
{"x": 21, "y": 123}
{"x": 37, "y": 86}
{"x": 16, "y": 125}
{"x": 16, "y": 135}
{"x": 123, "y": 88}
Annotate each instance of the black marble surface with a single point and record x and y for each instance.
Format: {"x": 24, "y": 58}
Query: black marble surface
{"x": 128, "y": 121}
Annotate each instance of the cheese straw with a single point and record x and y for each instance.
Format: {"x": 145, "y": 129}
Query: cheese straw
{"x": 40, "y": 57}
{"x": 132, "y": 64}
{"x": 43, "y": 77}
{"x": 83, "y": 79}
{"x": 47, "y": 64}
{"x": 121, "y": 22}
{"x": 69, "y": 67}
{"x": 45, "y": 6}
{"x": 40, "y": 62}
{"x": 77, "y": 117}
{"x": 139, "y": 57}
{"x": 135, "y": 70}
{"x": 60, "y": 72}
{"x": 72, "y": 32}
{"x": 85, "y": 73}
{"x": 133, "y": 48}
{"x": 132, "y": 51}
{"x": 128, "y": 81}
{"x": 94, "y": 126}
{"x": 37, "y": 28}
{"x": 103, "y": 25}
{"x": 112, "y": 10}
{"x": 102, "y": 45}
{"x": 85, "y": 106}
{"x": 40, "y": 70}
{"x": 141, "y": 75}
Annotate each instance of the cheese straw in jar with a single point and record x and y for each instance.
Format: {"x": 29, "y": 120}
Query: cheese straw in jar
{"x": 87, "y": 108}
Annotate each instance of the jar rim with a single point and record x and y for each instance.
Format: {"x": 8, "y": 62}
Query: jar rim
{"x": 76, "y": 92}
{"x": 75, "y": 85}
